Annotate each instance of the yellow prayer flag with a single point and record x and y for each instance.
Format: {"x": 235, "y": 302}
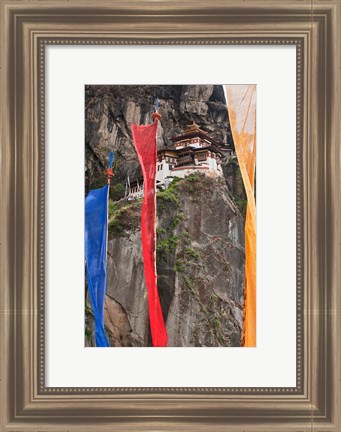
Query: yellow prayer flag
{"x": 241, "y": 104}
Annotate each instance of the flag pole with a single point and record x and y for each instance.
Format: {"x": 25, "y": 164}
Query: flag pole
{"x": 156, "y": 116}
{"x": 109, "y": 173}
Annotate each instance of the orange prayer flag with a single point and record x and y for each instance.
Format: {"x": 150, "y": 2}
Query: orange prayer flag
{"x": 241, "y": 104}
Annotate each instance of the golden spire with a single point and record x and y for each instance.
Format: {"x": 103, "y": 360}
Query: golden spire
{"x": 193, "y": 128}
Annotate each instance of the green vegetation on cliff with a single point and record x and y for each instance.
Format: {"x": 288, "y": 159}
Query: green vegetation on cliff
{"x": 124, "y": 216}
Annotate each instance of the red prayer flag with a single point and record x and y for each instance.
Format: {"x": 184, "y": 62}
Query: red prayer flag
{"x": 145, "y": 145}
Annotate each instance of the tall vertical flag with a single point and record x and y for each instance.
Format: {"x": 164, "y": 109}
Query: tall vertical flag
{"x": 145, "y": 144}
{"x": 96, "y": 240}
{"x": 241, "y": 104}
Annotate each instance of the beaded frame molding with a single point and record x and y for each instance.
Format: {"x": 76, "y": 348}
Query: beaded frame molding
{"x": 299, "y": 211}
{"x": 28, "y": 27}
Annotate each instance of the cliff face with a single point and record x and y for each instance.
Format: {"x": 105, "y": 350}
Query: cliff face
{"x": 200, "y": 263}
{"x": 200, "y": 266}
{"x": 200, "y": 233}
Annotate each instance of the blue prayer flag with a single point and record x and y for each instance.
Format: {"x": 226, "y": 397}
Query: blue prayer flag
{"x": 111, "y": 159}
{"x": 96, "y": 221}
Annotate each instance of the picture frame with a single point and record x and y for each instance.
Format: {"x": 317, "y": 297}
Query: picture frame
{"x": 27, "y": 27}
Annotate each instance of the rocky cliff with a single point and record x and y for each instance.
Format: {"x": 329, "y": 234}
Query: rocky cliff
{"x": 109, "y": 111}
{"x": 200, "y": 233}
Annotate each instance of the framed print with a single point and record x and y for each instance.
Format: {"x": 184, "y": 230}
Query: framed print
{"x": 232, "y": 335}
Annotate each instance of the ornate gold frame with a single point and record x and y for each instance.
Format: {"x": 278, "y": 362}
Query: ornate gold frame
{"x": 314, "y": 27}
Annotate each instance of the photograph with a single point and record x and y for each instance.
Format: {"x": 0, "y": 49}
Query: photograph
{"x": 170, "y": 215}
